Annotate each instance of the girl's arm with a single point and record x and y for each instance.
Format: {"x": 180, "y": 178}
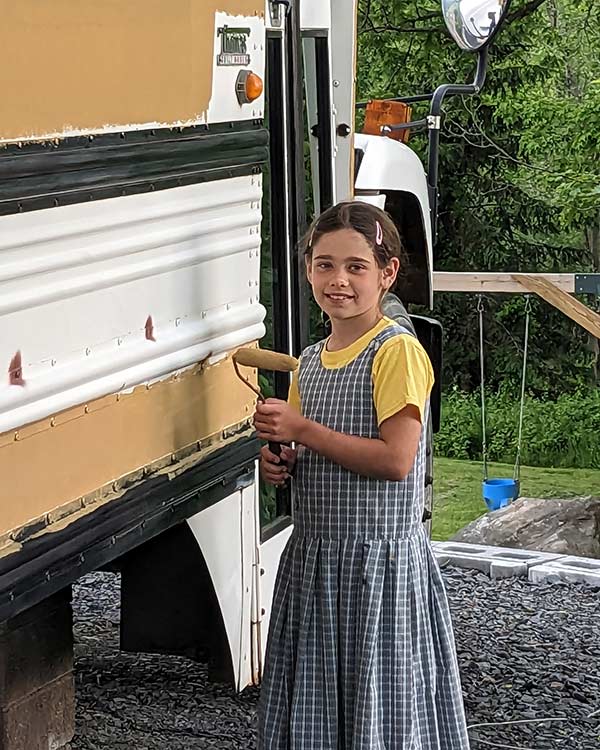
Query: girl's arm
{"x": 390, "y": 457}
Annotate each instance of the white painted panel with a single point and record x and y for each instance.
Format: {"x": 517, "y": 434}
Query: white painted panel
{"x": 343, "y": 70}
{"x": 315, "y": 14}
{"x": 224, "y": 105}
{"x": 218, "y": 531}
{"x": 270, "y": 553}
{"x": 374, "y": 200}
{"x": 78, "y": 283}
{"x": 389, "y": 165}
{"x": 248, "y": 582}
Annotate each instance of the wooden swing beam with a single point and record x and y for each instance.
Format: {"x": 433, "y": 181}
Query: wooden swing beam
{"x": 502, "y": 283}
{"x": 568, "y": 305}
{"x": 555, "y": 288}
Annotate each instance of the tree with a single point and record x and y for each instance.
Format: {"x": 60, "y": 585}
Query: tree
{"x": 518, "y": 168}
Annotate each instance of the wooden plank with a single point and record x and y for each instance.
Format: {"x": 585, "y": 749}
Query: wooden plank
{"x": 568, "y": 305}
{"x": 505, "y": 283}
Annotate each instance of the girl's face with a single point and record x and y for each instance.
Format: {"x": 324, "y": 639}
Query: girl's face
{"x": 346, "y": 280}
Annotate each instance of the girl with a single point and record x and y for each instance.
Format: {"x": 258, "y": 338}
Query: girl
{"x": 360, "y": 653}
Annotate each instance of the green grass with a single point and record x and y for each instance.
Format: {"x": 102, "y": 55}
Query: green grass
{"x": 457, "y": 490}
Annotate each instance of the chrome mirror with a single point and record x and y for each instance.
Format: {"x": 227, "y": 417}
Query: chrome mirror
{"x": 473, "y": 23}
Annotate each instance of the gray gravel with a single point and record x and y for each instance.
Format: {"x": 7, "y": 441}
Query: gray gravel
{"x": 145, "y": 702}
{"x": 525, "y": 652}
{"x": 528, "y": 651}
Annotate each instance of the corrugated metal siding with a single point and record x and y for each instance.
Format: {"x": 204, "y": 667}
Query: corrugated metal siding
{"x": 77, "y": 285}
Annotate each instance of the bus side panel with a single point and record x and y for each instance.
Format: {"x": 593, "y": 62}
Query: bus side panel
{"x": 121, "y": 312}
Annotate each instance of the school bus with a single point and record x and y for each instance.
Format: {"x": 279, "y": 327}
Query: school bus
{"x": 152, "y": 194}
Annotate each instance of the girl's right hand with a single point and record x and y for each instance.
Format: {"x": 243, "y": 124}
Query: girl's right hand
{"x": 276, "y": 469}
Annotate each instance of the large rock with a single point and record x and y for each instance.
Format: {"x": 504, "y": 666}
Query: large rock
{"x": 568, "y": 526}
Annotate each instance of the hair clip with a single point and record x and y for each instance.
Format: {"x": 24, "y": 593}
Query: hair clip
{"x": 312, "y": 234}
{"x": 379, "y": 236}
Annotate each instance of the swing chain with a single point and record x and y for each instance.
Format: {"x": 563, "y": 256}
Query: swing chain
{"x": 517, "y": 469}
{"x": 481, "y": 310}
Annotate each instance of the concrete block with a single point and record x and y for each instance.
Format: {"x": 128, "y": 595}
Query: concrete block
{"x": 497, "y": 562}
{"x": 508, "y": 569}
{"x": 470, "y": 562}
{"x": 526, "y": 556}
{"x": 581, "y": 563}
{"x": 442, "y": 559}
{"x": 458, "y": 548}
{"x": 568, "y": 569}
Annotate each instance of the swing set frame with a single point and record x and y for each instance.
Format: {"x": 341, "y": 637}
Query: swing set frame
{"x": 556, "y": 289}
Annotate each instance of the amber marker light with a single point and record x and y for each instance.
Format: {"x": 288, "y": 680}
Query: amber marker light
{"x": 248, "y": 87}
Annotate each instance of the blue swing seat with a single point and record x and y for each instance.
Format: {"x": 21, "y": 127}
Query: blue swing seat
{"x": 499, "y": 493}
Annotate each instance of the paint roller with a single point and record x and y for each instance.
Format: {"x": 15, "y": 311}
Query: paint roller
{"x": 263, "y": 359}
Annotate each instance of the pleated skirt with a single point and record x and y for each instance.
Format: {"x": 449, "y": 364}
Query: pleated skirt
{"x": 361, "y": 653}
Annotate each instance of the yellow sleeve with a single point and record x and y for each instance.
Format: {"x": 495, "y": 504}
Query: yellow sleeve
{"x": 294, "y": 393}
{"x": 402, "y": 375}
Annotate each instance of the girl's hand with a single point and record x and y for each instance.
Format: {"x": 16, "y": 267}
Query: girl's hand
{"x": 275, "y": 420}
{"x": 276, "y": 469}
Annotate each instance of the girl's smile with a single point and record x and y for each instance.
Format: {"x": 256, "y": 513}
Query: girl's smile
{"x": 339, "y": 298}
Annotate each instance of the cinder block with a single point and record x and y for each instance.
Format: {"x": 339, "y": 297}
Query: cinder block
{"x": 497, "y": 562}
{"x": 587, "y": 564}
{"x": 459, "y": 548}
{"x": 442, "y": 559}
{"x": 568, "y": 569}
{"x": 503, "y": 562}
{"x": 508, "y": 569}
{"x": 467, "y": 561}
{"x": 526, "y": 556}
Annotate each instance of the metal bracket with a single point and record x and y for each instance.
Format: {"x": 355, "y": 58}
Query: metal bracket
{"x": 276, "y": 11}
{"x": 587, "y": 283}
{"x": 413, "y": 125}
{"x": 434, "y": 122}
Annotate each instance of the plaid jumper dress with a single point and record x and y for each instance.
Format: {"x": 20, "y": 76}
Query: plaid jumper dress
{"x": 361, "y": 653}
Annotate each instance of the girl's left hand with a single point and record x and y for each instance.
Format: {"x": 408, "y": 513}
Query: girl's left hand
{"x": 277, "y": 421}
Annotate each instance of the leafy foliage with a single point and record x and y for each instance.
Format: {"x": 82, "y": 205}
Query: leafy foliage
{"x": 519, "y": 172}
{"x": 561, "y": 433}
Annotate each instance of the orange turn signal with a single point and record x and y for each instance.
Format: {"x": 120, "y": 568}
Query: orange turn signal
{"x": 248, "y": 86}
{"x": 380, "y": 113}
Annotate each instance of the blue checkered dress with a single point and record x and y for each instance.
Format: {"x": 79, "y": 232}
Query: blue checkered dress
{"x": 361, "y": 652}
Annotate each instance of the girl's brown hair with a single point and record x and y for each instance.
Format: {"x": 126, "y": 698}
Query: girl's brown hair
{"x": 375, "y": 225}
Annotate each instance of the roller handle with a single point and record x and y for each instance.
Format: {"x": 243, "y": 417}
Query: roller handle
{"x": 275, "y": 448}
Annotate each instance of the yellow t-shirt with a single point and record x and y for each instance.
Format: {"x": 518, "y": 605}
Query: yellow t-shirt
{"x": 402, "y": 373}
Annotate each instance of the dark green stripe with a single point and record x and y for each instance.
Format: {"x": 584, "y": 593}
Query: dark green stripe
{"x": 36, "y": 176}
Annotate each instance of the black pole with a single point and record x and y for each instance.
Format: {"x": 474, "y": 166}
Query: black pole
{"x": 434, "y": 125}
{"x": 404, "y": 99}
{"x": 300, "y": 294}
